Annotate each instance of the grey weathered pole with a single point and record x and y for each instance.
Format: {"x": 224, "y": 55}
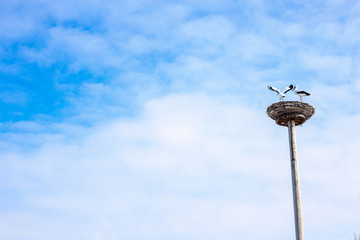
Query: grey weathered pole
{"x": 295, "y": 182}
{"x": 290, "y": 114}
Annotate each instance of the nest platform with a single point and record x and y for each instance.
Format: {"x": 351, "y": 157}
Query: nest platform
{"x": 284, "y": 111}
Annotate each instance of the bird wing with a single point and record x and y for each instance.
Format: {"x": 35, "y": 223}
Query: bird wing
{"x": 303, "y": 92}
{"x": 274, "y": 89}
{"x": 288, "y": 88}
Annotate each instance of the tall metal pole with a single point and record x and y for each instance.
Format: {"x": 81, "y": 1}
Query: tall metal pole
{"x": 295, "y": 182}
{"x": 290, "y": 114}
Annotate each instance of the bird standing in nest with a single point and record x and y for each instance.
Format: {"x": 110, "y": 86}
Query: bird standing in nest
{"x": 279, "y": 93}
{"x": 300, "y": 93}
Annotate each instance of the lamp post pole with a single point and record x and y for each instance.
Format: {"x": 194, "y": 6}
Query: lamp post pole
{"x": 290, "y": 114}
{"x": 295, "y": 182}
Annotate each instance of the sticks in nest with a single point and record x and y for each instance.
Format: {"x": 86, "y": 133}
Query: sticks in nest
{"x": 284, "y": 111}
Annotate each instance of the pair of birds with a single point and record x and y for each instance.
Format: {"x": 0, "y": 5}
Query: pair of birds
{"x": 300, "y": 93}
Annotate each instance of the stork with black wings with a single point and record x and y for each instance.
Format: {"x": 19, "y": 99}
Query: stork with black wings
{"x": 279, "y": 93}
{"x": 300, "y": 93}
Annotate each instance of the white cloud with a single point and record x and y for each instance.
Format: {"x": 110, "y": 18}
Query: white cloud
{"x": 338, "y": 68}
{"x": 13, "y": 27}
{"x": 84, "y": 51}
{"x": 16, "y": 97}
{"x": 190, "y": 166}
{"x": 205, "y": 162}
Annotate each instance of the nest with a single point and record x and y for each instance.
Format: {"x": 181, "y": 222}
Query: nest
{"x": 283, "y": 112}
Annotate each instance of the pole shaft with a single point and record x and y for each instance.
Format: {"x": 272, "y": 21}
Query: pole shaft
{"x": 295, "y": 182}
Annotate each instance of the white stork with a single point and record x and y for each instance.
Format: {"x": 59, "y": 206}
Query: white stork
{"x": 300, "y": 93}
{"x": 279, "y": 93}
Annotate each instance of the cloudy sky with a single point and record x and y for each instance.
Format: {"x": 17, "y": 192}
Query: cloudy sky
{"x": 145, "y": 120}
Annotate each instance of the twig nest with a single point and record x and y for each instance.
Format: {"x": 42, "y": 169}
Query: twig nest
{"x": 284, "y": 111}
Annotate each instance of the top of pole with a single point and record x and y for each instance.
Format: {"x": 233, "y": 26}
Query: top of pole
{"x": 284, "y": 111}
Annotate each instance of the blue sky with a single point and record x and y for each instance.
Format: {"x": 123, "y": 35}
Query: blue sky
{"x": 146, "y": 119}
